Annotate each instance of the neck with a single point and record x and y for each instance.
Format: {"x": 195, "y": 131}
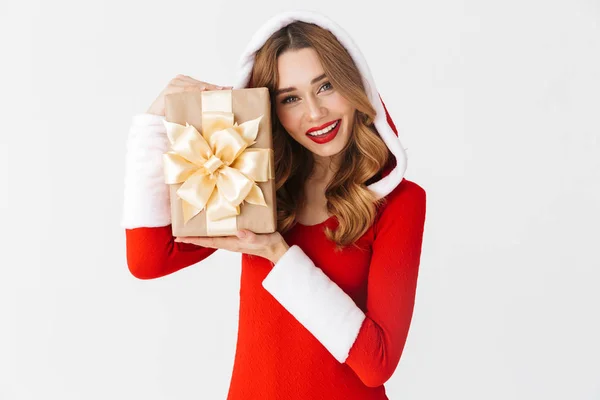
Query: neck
{"x": 324, "y": 169}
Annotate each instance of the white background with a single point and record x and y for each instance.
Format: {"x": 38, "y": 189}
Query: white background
{"x": 497, "y": 103}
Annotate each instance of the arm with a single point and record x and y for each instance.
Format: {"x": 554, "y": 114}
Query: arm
{"x": 151, "y": 250}
{"x": 370, "y": 343}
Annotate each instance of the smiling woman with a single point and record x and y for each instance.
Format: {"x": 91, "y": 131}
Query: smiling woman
{"x": 325, "y": 307}
{"x": 326, "y": 146}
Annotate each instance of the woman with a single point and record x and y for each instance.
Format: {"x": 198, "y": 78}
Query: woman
{"x": 326, "y": 302}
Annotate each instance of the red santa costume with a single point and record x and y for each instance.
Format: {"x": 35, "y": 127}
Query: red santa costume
{"x": 317, "y": 324}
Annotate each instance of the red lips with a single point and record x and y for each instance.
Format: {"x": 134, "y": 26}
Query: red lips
{"x": 321, "y": 127}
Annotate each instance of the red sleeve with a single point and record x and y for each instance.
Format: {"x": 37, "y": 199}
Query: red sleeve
{"x": 152, "y": 252}
{"x": 391, "y": 288}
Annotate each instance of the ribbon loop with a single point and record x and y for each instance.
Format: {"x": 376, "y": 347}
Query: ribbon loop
{"x": 212, "y": 164}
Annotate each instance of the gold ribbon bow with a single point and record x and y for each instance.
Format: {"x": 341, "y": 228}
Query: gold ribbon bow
{"x": 216, "y": 167}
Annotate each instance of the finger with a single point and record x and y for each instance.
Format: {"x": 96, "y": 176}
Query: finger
{"x": 186, "y": 78}
{"x": 201, "y": 87}
{"x": 183, "y": 81}
{"x": 213, "y": 242}
{"x": 199, "y": 241}
{"x": 191, "y": 240}
{"x": 210, "y": 86}
{"x": 248, "y": 236}
{"x": 221, "y": 242}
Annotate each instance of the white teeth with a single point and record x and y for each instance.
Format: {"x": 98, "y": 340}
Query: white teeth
{"x": 325, "y": 130}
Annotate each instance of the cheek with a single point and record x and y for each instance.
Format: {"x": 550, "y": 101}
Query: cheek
{"x": 339, "y": 104}
{"x": 288, "y": 118}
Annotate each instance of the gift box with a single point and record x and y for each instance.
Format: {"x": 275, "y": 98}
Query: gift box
{"x": 221, "y": 165}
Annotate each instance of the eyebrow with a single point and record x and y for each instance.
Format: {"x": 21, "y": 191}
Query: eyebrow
{"x": 290, "y": 89}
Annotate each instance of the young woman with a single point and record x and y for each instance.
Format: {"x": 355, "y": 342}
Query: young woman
{"x": 326, "y": 301}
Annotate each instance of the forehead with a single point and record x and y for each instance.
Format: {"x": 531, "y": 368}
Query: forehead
{"x": 298, "y": 67}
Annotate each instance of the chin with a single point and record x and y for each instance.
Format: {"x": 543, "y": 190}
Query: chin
{"x": 327, "y": 152}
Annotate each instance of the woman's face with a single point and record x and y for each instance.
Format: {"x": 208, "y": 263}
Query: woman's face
{"x": 307, "y": 103}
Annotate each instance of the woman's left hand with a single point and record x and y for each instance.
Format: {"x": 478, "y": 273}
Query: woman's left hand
{"x": 267, "y": 245}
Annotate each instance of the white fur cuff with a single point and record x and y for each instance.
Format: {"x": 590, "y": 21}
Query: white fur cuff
{"x": 146, "y": 195}
{"x": 317, "y": 302}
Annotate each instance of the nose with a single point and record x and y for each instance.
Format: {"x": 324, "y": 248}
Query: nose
{"x": 315, "y": 110}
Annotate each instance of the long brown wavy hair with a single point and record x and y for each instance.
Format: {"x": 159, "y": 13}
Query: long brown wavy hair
{"x": 361, "y": 161}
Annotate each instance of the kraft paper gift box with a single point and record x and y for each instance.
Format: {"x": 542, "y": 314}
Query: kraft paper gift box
{"x": 220, "y": 166}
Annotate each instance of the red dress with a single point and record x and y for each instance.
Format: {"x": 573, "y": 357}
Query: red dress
{"x": 276, "y": 356}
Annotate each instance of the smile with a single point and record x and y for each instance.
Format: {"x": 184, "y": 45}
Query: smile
{"x": 323, "y": 130}
{"x": 326, "y": 134}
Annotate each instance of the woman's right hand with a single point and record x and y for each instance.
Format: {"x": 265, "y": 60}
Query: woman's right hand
{"x": 181, "y": 83}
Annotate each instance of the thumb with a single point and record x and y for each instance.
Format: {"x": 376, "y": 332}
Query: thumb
{"x": 243, "y": 234}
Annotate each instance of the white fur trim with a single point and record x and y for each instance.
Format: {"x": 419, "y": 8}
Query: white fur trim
{"x": 317, "y": 302}
{"x": 384, "y": 186}
{"x": 146, "y": 195}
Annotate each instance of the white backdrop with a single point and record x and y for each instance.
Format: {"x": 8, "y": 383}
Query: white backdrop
{"x": 497, "y": 102}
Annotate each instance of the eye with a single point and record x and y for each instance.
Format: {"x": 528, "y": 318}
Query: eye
{"x": 285, "y": 101}
{"x": 327, "y": 84}
{"x": 292, "y": 99}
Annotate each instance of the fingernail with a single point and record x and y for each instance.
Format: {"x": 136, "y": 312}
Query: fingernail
{"x": 241, "y": 234}
{"x": 219, "y": 87}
